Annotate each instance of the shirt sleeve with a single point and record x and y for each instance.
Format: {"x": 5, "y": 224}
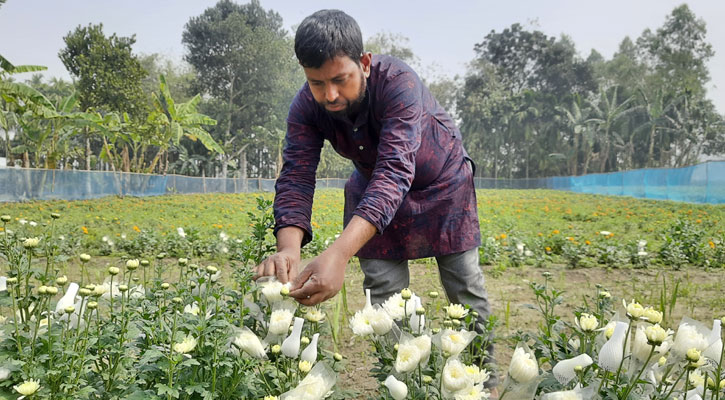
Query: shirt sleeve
{"x": 295, "y": 187}
{"x": 400, "y": 138}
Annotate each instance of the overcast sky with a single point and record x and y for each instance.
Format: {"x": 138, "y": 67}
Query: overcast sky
{"x": 441, "y": 33}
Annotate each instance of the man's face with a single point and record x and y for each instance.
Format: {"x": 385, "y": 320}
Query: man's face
{"x": 339, "y": 84}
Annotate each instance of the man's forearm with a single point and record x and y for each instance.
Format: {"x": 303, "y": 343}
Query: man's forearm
{"x": 353, "y": 237}
{"x": 289, "y": 239}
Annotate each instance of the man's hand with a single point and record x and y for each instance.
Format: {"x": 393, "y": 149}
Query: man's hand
{"x": 321, "y": 279}
{"x": 283, "y": 264}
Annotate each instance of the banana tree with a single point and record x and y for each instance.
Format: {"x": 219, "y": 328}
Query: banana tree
{"x": 17, "y": 98}
{"x": 172, "y": 122}
{"x": 580, "y": 135}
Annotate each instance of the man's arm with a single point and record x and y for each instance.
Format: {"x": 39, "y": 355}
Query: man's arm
{"x": 295, "y": 190}
{"x": 323, "y": 277}
{"x": 285, "y": 263}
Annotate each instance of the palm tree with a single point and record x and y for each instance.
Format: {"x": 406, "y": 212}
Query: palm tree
{"x": 608, "y": 113}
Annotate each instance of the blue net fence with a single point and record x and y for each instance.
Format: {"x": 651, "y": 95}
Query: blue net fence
{"x": 702, "y": 183}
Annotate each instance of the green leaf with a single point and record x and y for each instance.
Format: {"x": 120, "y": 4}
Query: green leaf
{"x": 163, "y": 390}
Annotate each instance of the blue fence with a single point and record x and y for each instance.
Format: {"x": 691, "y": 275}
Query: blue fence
{"x": 702, "y": 183}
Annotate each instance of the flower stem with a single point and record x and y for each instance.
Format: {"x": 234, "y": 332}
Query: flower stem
{"x": 634, "y": 381}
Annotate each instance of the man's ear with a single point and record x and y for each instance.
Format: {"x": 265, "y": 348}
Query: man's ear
{"x": 366, "y": 60}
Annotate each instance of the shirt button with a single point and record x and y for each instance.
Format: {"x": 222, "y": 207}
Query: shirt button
{"x": 361, "y": 148}
{"x": 354, "y": 130}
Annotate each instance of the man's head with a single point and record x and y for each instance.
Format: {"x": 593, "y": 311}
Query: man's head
{"x": 329, "y": 46}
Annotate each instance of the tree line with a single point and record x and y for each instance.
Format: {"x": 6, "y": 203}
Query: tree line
{"x": 528, "y": 105}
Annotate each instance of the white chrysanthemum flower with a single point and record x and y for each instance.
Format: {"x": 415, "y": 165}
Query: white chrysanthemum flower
{"x": 280, "y": 321}
{"x": 249, "y": 343}
{"x": 272, "y": 290}
{"x": 398, "y": 308}
{"x": 587, "y": 322}
{"x": 314, "y": 315}
{"x": 456, "y": 311}
{"x": 397, "y": 388}
{"x": 454, "y": 342}
{"x": 28, "y": 388}
{"x": 408, "y": 357}
{"x": 181, "y": 232}
{"x": 380, "y": 320}
{"x": 4, "y": 373}
{"x": 223, "y": 236}
{"x": 360, "y": 322}
{"x": 454, "y": 376}
{"x": 186, "y": 345}
{"x": 523, "y": 367}
{"x": 697, "y": 379}
{"x": 192, "y": 309}
{"x": 476, "y": 375}
{"x": 476, "y": 392}
{"x": 634, "y": 309}
{"x": 688, "y": 337}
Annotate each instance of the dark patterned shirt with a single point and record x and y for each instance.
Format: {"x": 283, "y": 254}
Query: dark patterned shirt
{"x": 411, "y": 179}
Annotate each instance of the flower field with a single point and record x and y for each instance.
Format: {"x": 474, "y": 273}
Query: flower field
{"x": 152, "y": 298}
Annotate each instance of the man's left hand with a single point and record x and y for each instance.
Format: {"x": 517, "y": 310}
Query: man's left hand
{"x": 320, "y": 280}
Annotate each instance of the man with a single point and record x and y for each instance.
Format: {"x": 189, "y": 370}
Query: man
{"x": 411, "y": 195}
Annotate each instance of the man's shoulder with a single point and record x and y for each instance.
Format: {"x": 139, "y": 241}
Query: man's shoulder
{"x": 388, "y": 66}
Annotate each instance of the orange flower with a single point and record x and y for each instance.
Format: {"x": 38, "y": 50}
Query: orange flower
{"x": 503, "y": 236}
{"x": 699, "y": 221}
{"x": 548, "y": 249}
{"x": 84, "y": 229}
{"x": 539, "y": 234}
{"x": 712, "y": 244}
{"x": 135, "y": 228}
{"x": 555, "y": 232}
{"x": 587, "y": 242}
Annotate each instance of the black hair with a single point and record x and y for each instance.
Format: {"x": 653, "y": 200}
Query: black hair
{"x": 325, "y": 35}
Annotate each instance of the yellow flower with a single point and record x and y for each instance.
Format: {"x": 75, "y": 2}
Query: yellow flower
{"x": 652, "y": 316}
{"x": 304, "y": 366}
{"x": 587, "y": 322}
{"x": 28, "y": 387}
{"x": 634, "y": 309}
{"x": 456, "y": 311}
{"x": 186, "y": 345}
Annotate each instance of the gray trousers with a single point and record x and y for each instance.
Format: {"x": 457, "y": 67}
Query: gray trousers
{"x": 460, "y": 275}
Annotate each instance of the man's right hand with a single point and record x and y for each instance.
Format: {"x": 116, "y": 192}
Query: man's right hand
{"x": 284, "y": 265}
